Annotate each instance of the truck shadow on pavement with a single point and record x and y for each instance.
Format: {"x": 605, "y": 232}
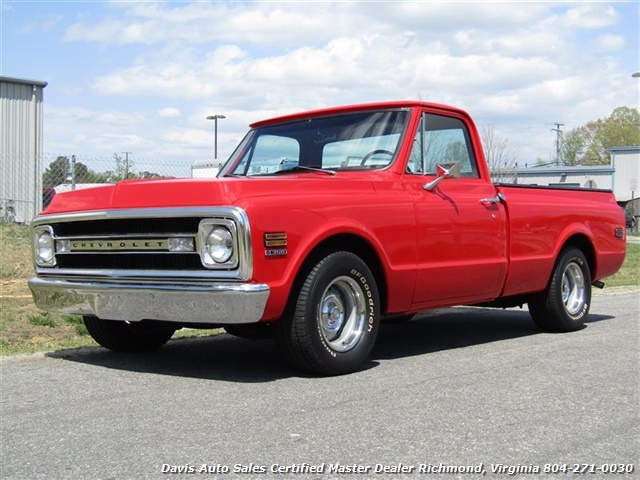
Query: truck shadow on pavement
{"x": 458, "y": 327}
{"x": 227, "y": 358}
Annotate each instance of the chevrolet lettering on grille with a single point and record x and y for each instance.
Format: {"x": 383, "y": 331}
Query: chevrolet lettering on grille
{"x": 119, "y": 245}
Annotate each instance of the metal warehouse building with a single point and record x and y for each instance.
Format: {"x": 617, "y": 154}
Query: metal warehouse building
{"x": 584, "y": 177}
{"x": 621, "y": 175}
{"x": 626, "y": 165}
{"x": 21, "y": 119}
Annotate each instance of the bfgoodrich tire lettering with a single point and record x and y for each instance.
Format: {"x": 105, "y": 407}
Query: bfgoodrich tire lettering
{"x": 564, "y": 305}
{"x": 128, "y": 337}
{"x": 334, "y": 319}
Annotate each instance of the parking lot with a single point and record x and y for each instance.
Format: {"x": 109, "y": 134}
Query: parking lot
{"x": 458, "y": 387}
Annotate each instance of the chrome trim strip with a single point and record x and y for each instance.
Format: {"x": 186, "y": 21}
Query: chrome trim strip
{"x": 139, "y": 213}
{"x": 212, "y": 303}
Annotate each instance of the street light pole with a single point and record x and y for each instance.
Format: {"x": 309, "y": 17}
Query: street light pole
{"x": 215, "y": 133}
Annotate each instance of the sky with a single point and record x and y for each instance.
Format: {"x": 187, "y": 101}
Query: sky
{"x": 142, "y": 76}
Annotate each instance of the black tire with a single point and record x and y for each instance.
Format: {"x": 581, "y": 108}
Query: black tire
{"x": 398, "y": 319}
{"x": 334, "y": 319}
{"x": 128, "y": 337}
{"x": 564, "y": 305}
{"x": 252, "y": 331}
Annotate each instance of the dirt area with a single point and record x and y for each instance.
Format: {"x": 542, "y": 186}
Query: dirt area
{"x": 14, "y": 288}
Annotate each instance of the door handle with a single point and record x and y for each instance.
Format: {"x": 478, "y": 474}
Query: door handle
{"x": 490, "y": 201}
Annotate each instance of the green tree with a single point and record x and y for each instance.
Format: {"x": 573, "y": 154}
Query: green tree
{"x": 123, "y": 169}
{"x": 62, "y": 170}
{"x": 620, "y": 129}
{"x": 57, "y": 172}
{"x": 572, "y": 148}
{"x": 144, "y": 174}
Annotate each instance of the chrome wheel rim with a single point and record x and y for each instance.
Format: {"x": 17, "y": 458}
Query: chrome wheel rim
{"x": 573, "y": 289}
{"x": 342, "y": 314}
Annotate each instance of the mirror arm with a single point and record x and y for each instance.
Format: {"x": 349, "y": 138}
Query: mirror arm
{"x": 432, "y": 184}
{"x": 445, "y": 170}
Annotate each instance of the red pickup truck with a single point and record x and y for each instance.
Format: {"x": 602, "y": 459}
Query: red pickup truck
{"x": 319, "y": 226}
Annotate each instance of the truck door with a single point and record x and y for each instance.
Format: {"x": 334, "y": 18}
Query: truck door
{"x": 461, "y": 222}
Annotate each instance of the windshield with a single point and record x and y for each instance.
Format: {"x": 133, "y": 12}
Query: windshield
{"x": 362, "y": 140}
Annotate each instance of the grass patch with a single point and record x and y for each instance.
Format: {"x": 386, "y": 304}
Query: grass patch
{"x": 26, "y": 329}
{"x": 42, "y": 320}
{"x": 15, "y": 252}
{"x": 629, "y": 274}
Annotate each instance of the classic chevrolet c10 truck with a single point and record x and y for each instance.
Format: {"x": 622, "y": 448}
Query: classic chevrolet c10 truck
{"x": 320, "y": 226}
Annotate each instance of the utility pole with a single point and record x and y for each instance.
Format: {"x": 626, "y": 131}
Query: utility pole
{"x": 73, "y": 172}
{"x": 558, "y": 134}
{"x": 126, "y": 164}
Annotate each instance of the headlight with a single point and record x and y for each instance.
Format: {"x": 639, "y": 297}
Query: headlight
{"x": 44, "y": 247}
{"x": 217, "y": 243}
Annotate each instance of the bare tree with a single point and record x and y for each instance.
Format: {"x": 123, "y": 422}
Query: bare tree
{"x": 500, "y": 158}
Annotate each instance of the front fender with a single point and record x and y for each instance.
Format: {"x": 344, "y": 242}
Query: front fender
{"x": 390, "y": 232}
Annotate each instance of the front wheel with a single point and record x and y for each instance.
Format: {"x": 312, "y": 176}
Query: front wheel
{"x": 128, "y": 337}
{"x": 564, "y": 305}
{"x": 334, "y": 319}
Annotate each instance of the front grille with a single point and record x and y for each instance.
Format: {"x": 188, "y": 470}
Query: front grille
{"x": 130, "y": 261}
{"x": 124, "y": 229}
{"x": 127, "y": 226}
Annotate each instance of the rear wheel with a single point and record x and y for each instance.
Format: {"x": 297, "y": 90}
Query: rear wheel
{"x": 334, "y": 319}
{"x": 564, "y": 305}
{"x": 128, "y": 337}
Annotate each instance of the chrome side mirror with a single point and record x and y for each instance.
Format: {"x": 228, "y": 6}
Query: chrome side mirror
{"x": 443, "y": 170}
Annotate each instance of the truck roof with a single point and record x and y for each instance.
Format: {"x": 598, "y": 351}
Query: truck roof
{"x": 358, "y": 107}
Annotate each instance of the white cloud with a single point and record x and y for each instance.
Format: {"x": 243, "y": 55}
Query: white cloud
{"x": 169, "y": 112}
{"x": 518, "y": 65}
{"x": 610, "y": 42}
{"x": 590, "y": 16}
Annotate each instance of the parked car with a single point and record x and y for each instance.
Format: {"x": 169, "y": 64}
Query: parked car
{"x": 629, "y": 219}
{"x": 321, "y": 225}
{"x": 47, "y": 195}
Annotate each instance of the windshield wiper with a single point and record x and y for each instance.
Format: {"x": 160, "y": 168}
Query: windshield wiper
{"x": 298, "y": 168}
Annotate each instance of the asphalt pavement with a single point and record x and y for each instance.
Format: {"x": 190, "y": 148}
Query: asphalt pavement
{"x": 461, "y": 393}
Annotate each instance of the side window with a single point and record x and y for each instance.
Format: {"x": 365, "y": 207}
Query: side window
{"x": 442, "y": 140}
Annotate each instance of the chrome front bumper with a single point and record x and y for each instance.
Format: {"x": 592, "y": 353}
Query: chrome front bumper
{"x": 214, "y": 303}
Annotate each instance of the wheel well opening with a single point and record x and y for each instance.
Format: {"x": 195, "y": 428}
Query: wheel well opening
{"x": 582, "y": 243}
{"x": 347, "y": 243}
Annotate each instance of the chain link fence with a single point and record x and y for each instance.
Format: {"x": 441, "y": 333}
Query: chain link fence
{"x": 27, "y": 184}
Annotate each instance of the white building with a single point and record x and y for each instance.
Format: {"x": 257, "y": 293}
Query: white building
{"x": 21, "y": 118}
{"x": 621, "y": 176}
{"x": 600, "y": 177}
{"x": 626, "y": 164}
{"x": 205, "y": 170}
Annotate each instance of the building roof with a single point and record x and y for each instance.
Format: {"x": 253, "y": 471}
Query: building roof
{"x": 23, "y": 81}
{"x": 626, "y": 149}
{"x": 566, "y": 169}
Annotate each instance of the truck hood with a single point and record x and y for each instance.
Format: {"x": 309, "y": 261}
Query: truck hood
{"x": 200, "y": 192}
